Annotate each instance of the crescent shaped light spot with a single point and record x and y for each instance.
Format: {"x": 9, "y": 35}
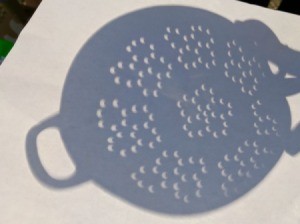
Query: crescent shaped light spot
{"x": 199, "y": 59}
{"x": 139, "y": 83}
{"x": 110, "y": 148}
{"x": 250, "y": 93}
{"x": 101, "y": 124}
{"x": 165, "y": 154}
{"x": 153, "y": 131}
{"x": 243, "y": 89}
{"x": 226, "y": 74}
{"x": 166, "y": 37}
{"x": 207, "y": 128}
{"x": 140, "y": 142}
{"x": 152, "y": 55}
{"x": 242, "y": 164}
{"x": 184, "y": 97}
{"x": 223, "y": 173}
{"x": 194, "y": 64}
{"x": 158, "y": 76}
{"x": 208, "y": 107}
{"x": 141, "y": 74}
{"x": 177, "y": 195}
{"x": 193, "y": 100}
{"x": 225, "y": 124}
{"x": 115, "y": 103}
{"x": 215, "y": 135}
{"x": 255, "y": 144}
{"x": 212, "y": 100}
{"x": 198, "y": 117}
{"x": 199, "y": 184}
{"x": 240, "y": 150}
{"x": 190, "y": 134}
{"x": 146, "y": 125}
{"x": 133, "y": 43}
{"x": 132, "y": 135}
{"x": 253, "y": 107}
{"x": 226, "y": 158}
{"x": 222, "y": 116}
{"x": 151, "y": 145}
{"x": 145, "y": 109}
{"x": 110, "y": 140}
{"x": 164, "y": 175}
{"x": 134, "y": 109}
{"x": 175, "y": 154}
{"x": 256, "y": 152}
{"x": 186, "y": 199}
{"x": 181, "y": 51}
{"x": 226, "y": 65}
{"x": 120, "y": 65}
{"x": 151, "y": 46}
{"x": 173, "y": 45}
{"x": 185, "y": 38}
{"x": 124, "y": 123}
{"x": 159, "y": 85}
{"x": 203, "y": 88}
{"x": 199, "y": 108}
{"x": 196, "y": 51}
{"x": 236, "y": 158}
{"x": 193, "y": 28}
{"x": 200, "y": 133}
{"x": 128, "y": 49}
{"x": 99, "y": 113}
{"x": 198, "y": 194}
{"x": 197, "y": 92}
{"x": 246, "y": 143}
{"x": 260, "y": 119}
{"x": 267, "y": 132}
{"x": 135, "y": 127}
{"x": 230, "y": 178}
{"x": 201, "y": 161}
{"x": 129, "y": 84}
{"x": 230, "y": 113}
{"x": 102, "y": 103}
{"x": 112, "y": 70}
{"x": 255, "y": 125}
{"x": 142, "y": 170}
{"x": 133, "y": 149}
{"x": 179, "y": 104}
{"x": 241, "y": 81}
{"x": 191, "y": 160}
{"x": 258, "y": 132}
{"x": 204, "y": 170}
{"x": 223, "y": 187}
{"x": 233, "y": 79}
{"x": 151, "y": 189}
{"x": 113, "y": 128}
{"x": 183, "y": 178}
{"x": 135, "y": 58}
{"x": 221, "y": 101}
{"x": 182, "y": 114}
{"x": 252, "y": 160}
{"x": 240, "y": 173}
{"x": 155, "y": 93}
{"x": 176, "y": 186}
{"x": 163, "y": 185}
{"x": 155, "y": 170}
{"x": 140, "y": 184}
{"x": 131, "y": 66}
{"x": 186, "y": 66}
{"x": 248, "y": 174}
{"x": 180, "y": 162}
{"x": 133, "y": 176}
{"x": 168, "y": 75}
{"x": 145, "y": 92}
{"x": 119, "y": 135}
{"x": 123, "y": 113}
{"x": 220, "y": 165}
{"x": 224, "y": 132}
{"x": 123, "y": 153}
{"x": 256, "y": 166}
{"x": 195, "y": 177}
{"x": 149, "y": 70}
{"x": 117, "y": 80}
{"x": 176, "y": 171}
{"x": 158, "y": 161}
{"x": 158, "y": 138}
{"x": 205, "y": 113}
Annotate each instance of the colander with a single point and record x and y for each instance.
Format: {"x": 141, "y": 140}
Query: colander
{"x": 174, "y": 109}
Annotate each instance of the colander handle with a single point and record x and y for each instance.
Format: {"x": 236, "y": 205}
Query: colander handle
{"x": 35, "y": 163}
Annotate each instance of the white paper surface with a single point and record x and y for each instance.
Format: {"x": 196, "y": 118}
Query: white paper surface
{"x": 31, "y": 82}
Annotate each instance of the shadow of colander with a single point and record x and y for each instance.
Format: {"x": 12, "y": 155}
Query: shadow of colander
{"x": 175, "y": 109}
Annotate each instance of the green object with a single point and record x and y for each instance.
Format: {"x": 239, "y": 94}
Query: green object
{"x": 5, "y": 47}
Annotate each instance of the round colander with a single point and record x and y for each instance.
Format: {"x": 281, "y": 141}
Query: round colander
{"x": 173, "y": 109}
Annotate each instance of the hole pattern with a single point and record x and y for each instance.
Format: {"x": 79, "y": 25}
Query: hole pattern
{"x": 143, "y": 68}
{"x": 243, "y": 69}
{"x": 125, "y": 134}
{"x": 174, "y": 174}
{"x": 205, "y": 115}
{"x": 241, "y": 165}
{"x": 194, "y": 46}
{"x": 264, "y": 124}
